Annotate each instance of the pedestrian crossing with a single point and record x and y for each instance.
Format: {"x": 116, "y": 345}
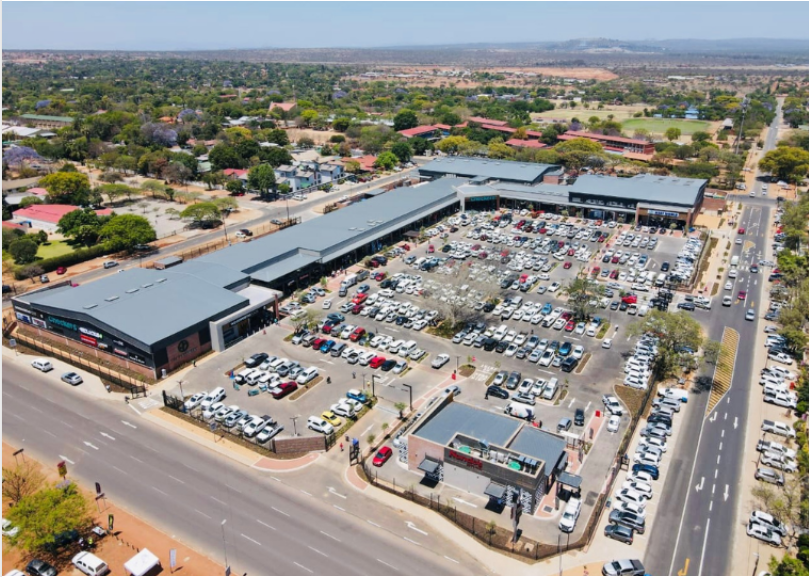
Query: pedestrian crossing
{"x": 147, "y": 404}
{"x": 483, "y": 373}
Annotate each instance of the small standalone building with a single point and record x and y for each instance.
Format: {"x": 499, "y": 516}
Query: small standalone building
{"x": 47, "y": 216}
{"x": 486, "y": 454}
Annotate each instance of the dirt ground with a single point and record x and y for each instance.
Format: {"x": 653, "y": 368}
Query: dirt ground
{"x": 131, "y": 534}
{"x": 515, "y": 76}
{"x": 318, "y": 136}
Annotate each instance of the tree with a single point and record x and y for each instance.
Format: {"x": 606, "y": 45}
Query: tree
{"x": 38, "y": 517}
{"x": 353, "y": 167}
{"x": 27, "y": 201}
{"x": 405, "y": 119}
{"x": 224, "y": 156}
{"x": 235, "y": 186}
{"x": 262, "y": 178}
{"x": 454, "y": 310}
{"x": 305, "y": 142}
{"x": 67, "y": 187}
{"x": 114, "y": 191}
{"x": 177, "y": 172}
{"x": 712, "y": 352}
{"x": 419, "y": 145}
{"x": 127, "y": 230}
{"x": 788, "y": 565}
{"x": 341, "y": 124}
{"x": 786, "y": 162}
{"x": 309, "y": 320}
{"x": 402, "y": 151}
{"x": 676, "y": 332}
{"x": 700, "y": 136}
{"x": 309, "y": 116}
{"x": 583, "y": 294}
{"x": 21, "y": 481}
{"x": 226, "y": 203}
{"x": 386, "y": 161}
{"x": 84, "y": 222}
{"x": 275, "y": 156}
{"x": 23, "y": 250}
{"x": 154, "y": 186}
{"x": 203, "y": 214}
{"x": 452, "y": 144}
{"x": 672, "y": 133}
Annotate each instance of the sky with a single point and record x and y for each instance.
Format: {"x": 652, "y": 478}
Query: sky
{"x": 222, "y": 25}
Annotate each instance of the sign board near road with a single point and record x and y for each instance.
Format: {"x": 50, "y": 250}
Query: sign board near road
{"x": 61, "y": 467}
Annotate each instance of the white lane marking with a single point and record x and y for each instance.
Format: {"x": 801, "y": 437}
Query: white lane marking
{"x": 178, "y": 480}
{"x": 128, "y": 424}
{"x": 136, "y": 459}
{"x": 333, "y": 492}
{"x": 232, "y": 488}
{"x": 159, "y": 491}
{"x": 723, "y": 433}
{"x": 275, "y": 479}
{"x": 467, "y": 503}
{"x": 330, "y": 536}
{"x": 66, "y": 425}
{"x": 410, "y": 525}
{"x": 727, "y": 494}
{"x": 710, "y": 506}
{"x": 713, "y": 489}
{"x": 35, "y": 409}
{"x": 588, "y": 406}
{"x": 718, "y": 459}
{"x": 221, "y": 502}
{"x": 411, "y": 541}
{"x": 91, "y": 445}
{"x": 302, "y": 567}
{"x": 374, "y": 524}
{"x": 735, "y": 422}
{"x": 388, "y": 564}
{"x": 573, "y": 400}
{"x": 119, "y": 470}
{"x": 203, "y": 514}
{"x": 108, "y": 436}
{"x": 260, "y": 522}
{"x": 317, "y": 551}
{"x": 720, "y": 445}
{"x": 339, "y": 508}
{"x": 66, "y": 459}
{"x": 451, "y": 559}
{"x": 190, "y": 467}
{"x": 306, "y": 492}
{"x": 366, "y": 430}
{"x": 251, "y": 539}
{"x": 715, "y": 473}
{"x": 279, "y": 511}
{"x": 49, "y": 433}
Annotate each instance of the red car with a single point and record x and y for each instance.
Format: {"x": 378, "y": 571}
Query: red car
{"x": 596, "y": 271}
{"x": 284, "y": 389}
{"x": 327, "y": 328}
{"x": 317, "y": 343}
{"x": 570, "y": 326}
{"x": 357, "y": 309}
{"x": 742, "y": 295}
{"x": 566, "y": 315}
{"x": 615, "y": 259}
{"x": 571, "y": 251}
{"x": 61, "y": 270}
{"x": 431, "y": 249}
{"x": 376, "y": 362}
{"x": 614, "y": 274}
{"x": 380, "y": 276}
{"x": 382, "y": 456}
{"x": 359, "y": 299}
{"x": 567, "y": 264}
{"x": 374, "y": 264}
{"x": 630, "y": 299}
{"x": 741, "y": 231}
{"x": 357, "y": 334}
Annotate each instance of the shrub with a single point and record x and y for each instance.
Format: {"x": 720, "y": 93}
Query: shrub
{"x": 75, "y": 257}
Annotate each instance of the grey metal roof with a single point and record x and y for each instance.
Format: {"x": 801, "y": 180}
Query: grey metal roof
{"x": 528, "y": 172}
{"x": 540, "y": 445}
{"x": 642, "y": 187}
{"x": 476, "y": 423}
{"x": 148, "y": 305}
{"x": 214, "y": 274}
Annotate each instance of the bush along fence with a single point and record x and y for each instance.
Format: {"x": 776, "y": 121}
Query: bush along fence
{"x": 135, "y": 387}
{"x": 69, "y": 259}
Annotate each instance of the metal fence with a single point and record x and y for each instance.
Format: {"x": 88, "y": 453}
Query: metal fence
{"x": 135, "y": 387}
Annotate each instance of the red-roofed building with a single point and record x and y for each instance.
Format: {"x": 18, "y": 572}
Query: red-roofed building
{"x": 612, "y": 143}
{"x": 47, "y": 216}
{"x": 425, "y": 132}
{"x": 9, "y": 224}
{"x": 490, "y": 122}
{"x": 517, "y": 143}
{"x": 235, "y": 172}
{"x": 36, "y": 191}
{"x": 285, "y": 106}
{"x": 498, "y": 128}
{"x": 366, "y": 162}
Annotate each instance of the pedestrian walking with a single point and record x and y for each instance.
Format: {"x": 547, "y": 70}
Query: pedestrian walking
{"x": 353, "y": 375}
{"x": 341, "y": 447}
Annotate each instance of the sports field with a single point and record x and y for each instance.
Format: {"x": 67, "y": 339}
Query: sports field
{"x": 658, "y": 126}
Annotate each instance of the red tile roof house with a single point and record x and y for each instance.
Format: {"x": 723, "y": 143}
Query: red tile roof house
{"x": 46, "y": 216}
{"x": 425, "y": 132}
{"x": 285, "y": 106}
{"x": 612, "y": 143}
{"x": 240, "y": 173}
{"x": 517, "y": 143}
{"x": 366, "y": 162}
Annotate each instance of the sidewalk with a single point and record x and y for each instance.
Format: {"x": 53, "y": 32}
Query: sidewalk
{"x": 131, "y": 534}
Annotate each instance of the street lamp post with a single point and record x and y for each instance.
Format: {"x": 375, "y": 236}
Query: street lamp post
{"x": 410, "y": 390}
{"x": 295, "y": 425}
{"x": 373, "y": 385}
{"x": 225, "y": 543}
{"x": 180, "y": 382}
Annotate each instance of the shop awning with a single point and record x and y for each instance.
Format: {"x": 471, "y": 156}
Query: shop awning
{"x": 429, "y": 466}
{"x": 495, "y": 491}
{"x": 569, "y": 479}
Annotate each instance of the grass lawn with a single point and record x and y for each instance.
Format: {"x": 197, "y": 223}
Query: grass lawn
{"x": 583, "y": 114}
{"x": 55, "y": 248}
{"x": 660, "y": 125}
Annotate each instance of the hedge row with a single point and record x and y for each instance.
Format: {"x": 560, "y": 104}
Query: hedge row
{"x": 66, "y": 260}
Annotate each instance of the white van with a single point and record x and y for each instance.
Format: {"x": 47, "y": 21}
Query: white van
{"x": 734, "y": 261}
{"x": 43, "y": 365}
{"x": 520, "y": 411}
{"x": 406, "y": 348}
{"x": 244, "y": 374}
{"x": 733, "y": 273}
{"x": 568, "y": 521}
{"x": 89, "y": 564}
{"x": 500, "y": 332}
{"x": 643, "y": 310}
{"x": 213, "y": 397}
{"x": 550, "y": 389}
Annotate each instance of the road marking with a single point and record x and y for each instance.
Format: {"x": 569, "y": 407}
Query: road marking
{"x": 588, "y": 406}
{"x": 275, "y": 479}
{"x": 735, "y": 422}
{"x": 108, "y": 436}
{"x": 306, "y": 492}
{"x": 119, "y": 469}
{"x": 252, "y": 540}
{"x": 91, "y": 445}
{"x": 178, "y": 480}
{"x": 128, "y": 424}
{"x": 710, "y": 506}
{"x": 723, "y": 433}
{"x": 416, "y": 529}
{"x": 330, "y": 536}
{"x": 372, "y": 523}
{"x": 49, "y": 433}
{"x": 302, "y": 567}
{"x": 339, "y": 508}
{"x": 260, "y": 522}
{"x": 713, "y": 489}
{"x": 317, "y": 551}
{"x": 411, "y": 541}
{"x": 718, "y": 458}
{"x": 217, "y": 500}
{"x": 388, "y": 564}
{"x": 698, "y": 488}
{"x": 451, "y": 559}
{"x": 573, "y": 400}
{"x": 203, "y": 514}
{"x": 715, "y": 473}
{"x": 35, "y": 409}
{"x": 465, "y": 502}
{"x": 66, "y": 459}
{"x": 190, "y": 467}
{"x": 159, "y": 491}
{"x": 66, "y": 425}
{"x": 279, "y": 511}
{"x": 136, "y": 459}
{"x": 726, "y": 416}
{"x": 333, "y": 492}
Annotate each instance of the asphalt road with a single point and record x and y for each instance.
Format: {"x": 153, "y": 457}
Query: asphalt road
{"x": 269, "y": 528}
{"x": 700, "y": 499}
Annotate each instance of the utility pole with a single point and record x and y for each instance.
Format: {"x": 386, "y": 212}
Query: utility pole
{"x": 410, "y": 390}
{"x": 225, "y": 543}
{"x": 295, "y": 425}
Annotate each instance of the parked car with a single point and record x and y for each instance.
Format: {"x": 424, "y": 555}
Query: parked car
{"x": 620, "y": 533}
{"x": 382, "y": 456}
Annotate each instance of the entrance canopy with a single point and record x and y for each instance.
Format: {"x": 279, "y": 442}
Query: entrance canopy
{"x": 429, "y": 466}
{"x": 495, "y": 490}
{"x": 569, "y": 480}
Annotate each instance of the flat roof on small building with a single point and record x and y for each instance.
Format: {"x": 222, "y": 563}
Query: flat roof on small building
{"x": 642, "y": 187}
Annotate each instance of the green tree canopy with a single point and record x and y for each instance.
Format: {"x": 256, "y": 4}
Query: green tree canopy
{"x": 386, "y": 161}
{"x": 29, "y": 200}
{"x": 262, "y": 179}
{"x": 83, "y": 222}
{"x": 672, "y": 133}
{"x": 202, "y": 214}
{"x": 127, "y": 230}
{"x": 402, "y": 151}
{"x": 405, "y": 119}
{"x": 67, "y": 187}
{"x": 786, "y": 162}
{"x": 23, "y": 250}
{"x": 675, "y": 331}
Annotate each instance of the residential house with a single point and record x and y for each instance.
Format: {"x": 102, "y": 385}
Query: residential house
{"x": 46, "y": 216}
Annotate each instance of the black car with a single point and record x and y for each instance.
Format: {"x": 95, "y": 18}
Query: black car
{"x": 400, "y": 320}
{"x": 387, "y": 283}
{"x": 256, "y": 360}
{"x": 336, "y": 317}
{"x": 653, "y": 471}
{"x": 628, "y": 519}
{"x": 246, "y": 232}
{"x": 554, "y": 346}
{"x": 665, "y": 266}
{"x": 382, "y": 260}
{"x": 388, "y": 365}
{"x": 501, "y": 346}
{"x": 578, "y": 418}
{"x": 513, "y": 380}
{"x": 39, "y": 567}
{"x": 489, "y": 344}
{"x": 488, "y": 307}
{"x": 623, "y": 306}
{"x": 658, "y": 418}
{"x": 569, "y": 364}
{"x": 495, "y": 391}
{"x": 620, "y": 533}
{"x": 686, "y": 306}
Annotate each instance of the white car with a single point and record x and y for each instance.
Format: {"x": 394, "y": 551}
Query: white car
{"x": 343, "y": 410}
{"x": 613, "y": 424}
{"x": 655, "y": 442}
{"x": 268, "y": 433}
{"x": 606, "y": 344}
{"x": 781, "y": 358}
{"x": 612, "y": 405}
{"x": 578, "y": 352}
{"x": 327, "y": 304}
{"x": 554, "y": 287}
{"x": 440, "y": 361}
{"x": 400, "y": 367}
{"x": 644, "y": 489}
{"x": 630, "y": 496}
{"x": 253, "y": 426}
{"x": 762, "y": 533}
{"x": 10, "y": 530}
{"x": 319, "y": 425}
{"x": 195, "y": 400}
{"x": 212, "y": 410}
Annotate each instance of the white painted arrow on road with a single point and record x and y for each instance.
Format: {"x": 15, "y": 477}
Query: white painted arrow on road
{"x": 110, "y": 437}
{"x": 416, "y": 529}
{"x": 128, "y": 424}
{"x": 726, "y": 492}
{"x": 735, "y": 422}
{"x": 91, "y": 445}
{"x": 713, "y": 418}
{"x": 66, "y": 459}
{"x": 699, "y": 487}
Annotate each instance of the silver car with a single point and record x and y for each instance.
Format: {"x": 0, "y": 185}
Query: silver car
{"x": 72, "y": 379}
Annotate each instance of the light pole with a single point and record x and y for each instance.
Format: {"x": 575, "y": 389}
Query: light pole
{"x": 410, "y": 390}
{"x": 295, "y": 425}
{"x": 373, "y": 385}
{"x": 457, "y": 361}
{"x": 180, "y": 382}
{"x": 225, "y": 544}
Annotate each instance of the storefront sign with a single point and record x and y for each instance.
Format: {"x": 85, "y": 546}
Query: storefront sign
{"x": 24, "y": 318}
{"x": 40, "y": 323}
{"x": 88, "y": 340}
{"x": 61, "y": 323}
{"x": 466, "y": 460}
{"x": 482, "y": 198}
{"x": 664, "y": 213}
{"x": 118, "y": 342}
{"x": 120, "y": 352}
{"x": 91, "y": 333}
